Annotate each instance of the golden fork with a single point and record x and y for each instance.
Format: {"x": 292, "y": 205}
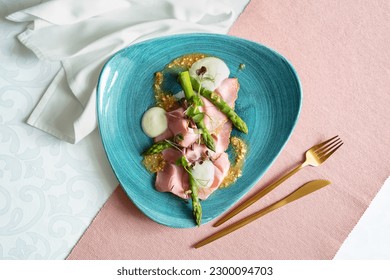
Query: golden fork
{"x": 300, "y": 192}
{"x": 315, "y": 156}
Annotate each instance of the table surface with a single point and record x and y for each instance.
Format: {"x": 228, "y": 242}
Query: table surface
{"x": 51, "y": 190}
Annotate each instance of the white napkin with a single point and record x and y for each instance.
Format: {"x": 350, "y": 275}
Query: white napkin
{"x": 83, "y": 34}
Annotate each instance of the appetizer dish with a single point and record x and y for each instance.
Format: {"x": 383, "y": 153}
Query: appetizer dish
{"x": 152, "y": 125}
{"x": 192, "y": 129}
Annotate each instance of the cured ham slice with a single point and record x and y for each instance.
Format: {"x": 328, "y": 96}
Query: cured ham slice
{"x": 175, "y": 179}
{"x": 229, "y": 90}
{"x": 222, "y": 165}
{"x": 222, "y": 139}
{"x": 214, "y": 118}
{"x": 178, "y": 125}
{"x": 171, "y": 180}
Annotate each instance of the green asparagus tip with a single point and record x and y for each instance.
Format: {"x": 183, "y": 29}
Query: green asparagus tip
{"x": 245, "y": 129}
{"x": 198, "y": 214}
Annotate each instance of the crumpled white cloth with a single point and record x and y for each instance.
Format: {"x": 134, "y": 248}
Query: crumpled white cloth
{"x": 83, "y": 34}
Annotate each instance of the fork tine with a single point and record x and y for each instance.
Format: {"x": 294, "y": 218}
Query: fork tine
{"x": 328, "y": 147}
{"x": 316, "y": 147}
{"x": 326, "y": 156}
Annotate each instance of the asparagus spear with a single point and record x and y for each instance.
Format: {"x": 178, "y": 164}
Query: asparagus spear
{"x": 196, "y": 207}
{"x": 193, "y": 112}
{"x": 160, "y": 146}
{"x": 221, "y": 105}
{"x": 157, "y": 147}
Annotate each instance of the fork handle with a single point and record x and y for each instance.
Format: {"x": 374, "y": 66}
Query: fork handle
{"x": 258, "y": 195}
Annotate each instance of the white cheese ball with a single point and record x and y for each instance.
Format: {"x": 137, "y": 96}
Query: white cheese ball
{"x": 154, "y": 122}
{"x": 204, "y": 173}
{"x": 216, "y": 72}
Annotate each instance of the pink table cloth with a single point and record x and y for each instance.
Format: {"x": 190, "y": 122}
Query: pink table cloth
{"x": 341, "y": 52}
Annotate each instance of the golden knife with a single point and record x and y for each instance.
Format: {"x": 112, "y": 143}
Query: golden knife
{"x": 306, "y": 189}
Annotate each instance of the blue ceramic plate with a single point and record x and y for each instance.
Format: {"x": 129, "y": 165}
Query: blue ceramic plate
{"x": 269, "y": 101}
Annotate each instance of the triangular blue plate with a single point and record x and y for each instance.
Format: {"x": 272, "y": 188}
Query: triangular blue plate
{"x": 269, "y": 101}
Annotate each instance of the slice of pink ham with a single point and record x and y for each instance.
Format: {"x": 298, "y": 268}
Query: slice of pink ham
{"x": 171, "y": 180}
{"x": 229, "y": 90}
{"x": 197, "y": 152}
{"x": 172, "y": 155}
{"x": 222, "y": 140}
{"x": 222, "y": 165}
{"x": 165, "y": 135}
{"x": 177, "y": 124}
{"x": 174, "y": 178}
{"x": 214, "y": 118}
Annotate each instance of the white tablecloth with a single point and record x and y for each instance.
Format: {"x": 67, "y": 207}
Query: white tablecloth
{"x": 51, "y": 190}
